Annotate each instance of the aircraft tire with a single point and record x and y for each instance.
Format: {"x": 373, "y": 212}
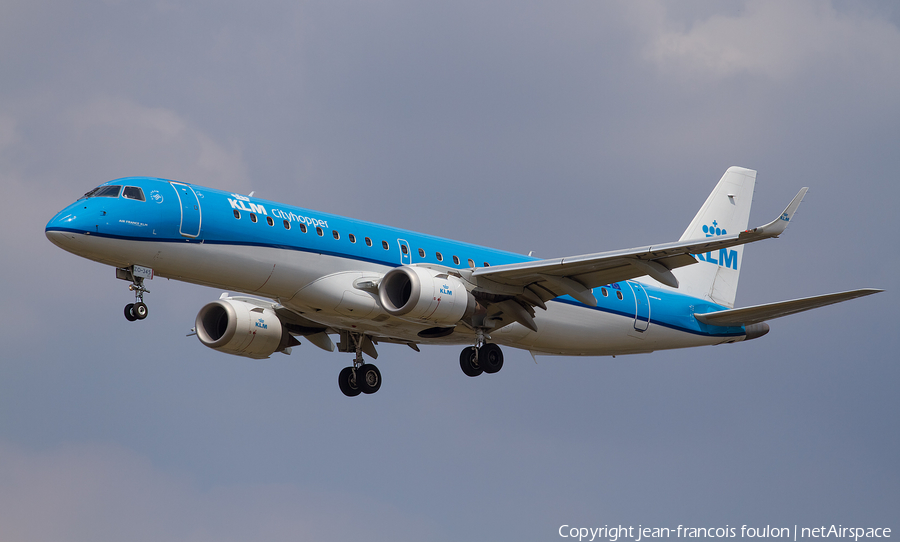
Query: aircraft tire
{"x": 491, "y": 358}
{"x": 347, "y": 382}
{"x": 468, "y": 362}
{"x": 368, "y": 377}
{"x": 129, "y": 312}
{"x": 140, "y": 311}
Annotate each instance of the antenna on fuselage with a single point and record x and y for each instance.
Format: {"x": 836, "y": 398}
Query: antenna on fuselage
{"x": 250, "y": 195}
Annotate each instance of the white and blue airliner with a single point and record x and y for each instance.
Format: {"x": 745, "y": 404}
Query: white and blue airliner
{"x": 316, "y": 275}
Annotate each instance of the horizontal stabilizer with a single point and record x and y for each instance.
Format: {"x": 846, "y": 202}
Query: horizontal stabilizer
{"x": 760, "y": 313}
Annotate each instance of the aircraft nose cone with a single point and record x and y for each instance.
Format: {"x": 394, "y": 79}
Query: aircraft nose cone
{"x": 63, "y": 219}
{"x": 62, "y": 230}
{"x": 58, "y": 238}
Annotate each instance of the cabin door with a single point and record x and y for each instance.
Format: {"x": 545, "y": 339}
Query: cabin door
{"x": 641, "y": 306}
{"x": 190, "y": 210}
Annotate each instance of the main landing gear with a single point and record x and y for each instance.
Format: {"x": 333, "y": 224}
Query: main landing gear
{"x": 481, "y": 358}
{"x": 361, "y": 377}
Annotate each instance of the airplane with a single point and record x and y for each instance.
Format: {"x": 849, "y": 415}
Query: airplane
{"x": 313, "y": 275}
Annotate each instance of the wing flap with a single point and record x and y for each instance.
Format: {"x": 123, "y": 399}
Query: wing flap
{"x": 760, "y": 313}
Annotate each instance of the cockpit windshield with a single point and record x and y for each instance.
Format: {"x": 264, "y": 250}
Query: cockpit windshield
{"x": 108, "y": 191}
{"x": 133, "y": 192}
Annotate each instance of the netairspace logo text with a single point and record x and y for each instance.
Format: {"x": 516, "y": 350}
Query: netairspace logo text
{"x": 638, "y": 534}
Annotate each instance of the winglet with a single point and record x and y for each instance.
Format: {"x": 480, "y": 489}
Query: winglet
{"x": 777, "y": 226}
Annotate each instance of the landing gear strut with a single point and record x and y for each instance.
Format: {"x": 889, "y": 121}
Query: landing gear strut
{"x": 361, "y": 377}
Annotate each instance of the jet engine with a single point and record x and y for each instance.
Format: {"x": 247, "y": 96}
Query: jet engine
{"x": 424, "y": 295}
{"x": 241, "y": 328}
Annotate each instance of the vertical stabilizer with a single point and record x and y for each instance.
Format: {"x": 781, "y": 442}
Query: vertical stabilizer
{"x": 726, "y": 212}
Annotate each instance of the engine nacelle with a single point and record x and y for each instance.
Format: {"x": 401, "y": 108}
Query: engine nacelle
{"x": 240, "y": 328}
{"x": 424, "y": 295}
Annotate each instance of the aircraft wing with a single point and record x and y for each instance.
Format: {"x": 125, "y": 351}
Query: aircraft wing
{"x": 578, "y": 275}
{"x": 761, "y": 313}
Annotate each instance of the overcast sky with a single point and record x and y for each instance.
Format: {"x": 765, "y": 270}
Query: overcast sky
{"x": 560, "y": 127}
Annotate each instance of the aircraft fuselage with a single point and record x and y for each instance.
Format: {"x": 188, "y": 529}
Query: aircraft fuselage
{"x": 313, "y": 262}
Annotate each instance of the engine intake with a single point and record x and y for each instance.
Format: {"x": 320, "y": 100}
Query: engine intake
{"x": 424, "y": 295}
{"x": 240, "y": 328}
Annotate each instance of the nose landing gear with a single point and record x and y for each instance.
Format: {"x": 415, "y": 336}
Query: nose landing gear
{"x": 137, "y": 310}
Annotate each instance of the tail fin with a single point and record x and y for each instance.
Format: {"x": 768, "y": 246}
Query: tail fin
{"x": 726, "y": 211}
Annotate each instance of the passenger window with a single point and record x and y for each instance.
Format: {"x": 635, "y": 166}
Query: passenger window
{"x": 384, "y": 245}
{"x": 421, "y": 253}
{"x": 351, "y": 237}
{"x": 471, "y": 263}
{"x": 368, "y": 242}
{"x": 335, "y": 234}
{"x": 404, "y": 249}
{"x": 604, "y": 292}
{"x": 270, "y": 221}
{"x": 237, "y": 214}
{"x": 319, "y": 231}
{"x": 303, "y": 228}
{"x": 456, "y": 260}
{"x": 440, "y": 257}
{"x": 133, "y": 192}
{"x": 287, "y": 225}
{"x": 487, "y": 264}
{"x": 253, "y": 217}
{"x": 619, "y": 294}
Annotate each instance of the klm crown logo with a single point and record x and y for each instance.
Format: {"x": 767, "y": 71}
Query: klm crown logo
{"x": 261, "y": 323}
{"x": 726, "y": 257}
{"x": 713, "y": 230}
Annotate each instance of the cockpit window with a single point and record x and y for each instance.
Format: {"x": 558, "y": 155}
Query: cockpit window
{"x": 133, "y": 192}
{"x": 109, "y": 191}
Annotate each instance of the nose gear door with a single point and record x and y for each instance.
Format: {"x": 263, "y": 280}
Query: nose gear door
{"x": 190, "y": 210}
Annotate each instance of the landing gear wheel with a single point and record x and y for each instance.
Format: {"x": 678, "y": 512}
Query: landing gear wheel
{"x": 368, "y": 377}
{"x": 129, "y": 312}
{"x": 469, "y": 362}
{"x": 490, "y": 356}
{"x": 347, "y": 382}
{"x": 140, "y": 310}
